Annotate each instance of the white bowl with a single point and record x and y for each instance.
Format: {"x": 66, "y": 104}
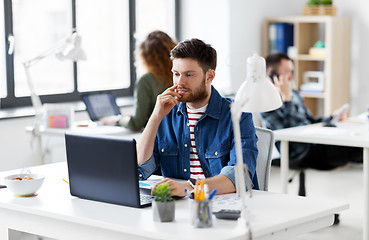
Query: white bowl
{"x": 24, "y": 187}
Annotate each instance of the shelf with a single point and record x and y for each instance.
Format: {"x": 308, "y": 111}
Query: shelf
{"x": 312, "y": 94}
{"x": 303, "y": 19}
{"x": 307, "y": 57}
{"x": 335, "y": 63}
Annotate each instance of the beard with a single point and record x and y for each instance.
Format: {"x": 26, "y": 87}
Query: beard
{"x": 194, "y": 95}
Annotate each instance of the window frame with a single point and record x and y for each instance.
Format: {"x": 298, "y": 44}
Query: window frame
{"x": 11, "y": 101}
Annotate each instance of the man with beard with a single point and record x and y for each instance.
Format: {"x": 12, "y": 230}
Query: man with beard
{"x": 190, "y": 133}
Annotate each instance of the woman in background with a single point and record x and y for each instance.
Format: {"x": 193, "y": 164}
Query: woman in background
{"x": 154, "y": 54}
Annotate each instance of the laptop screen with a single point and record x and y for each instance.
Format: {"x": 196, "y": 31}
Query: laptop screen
{"x": 103, "y": 168}
{"x": 99, "y": 105}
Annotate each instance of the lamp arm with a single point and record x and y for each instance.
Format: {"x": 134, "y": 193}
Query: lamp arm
{"x": 36, "y": 101}
{"x": 58, "y": 45}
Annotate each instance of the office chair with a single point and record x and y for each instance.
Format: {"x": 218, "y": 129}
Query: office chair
{"x": 258, "y": 121}
{"x": 265, "y": 147}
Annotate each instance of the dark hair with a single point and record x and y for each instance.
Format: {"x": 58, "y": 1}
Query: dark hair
{"x": 274, "y": 60}
{"x": 196, "y": 49}
{"x": 154, "y": 52}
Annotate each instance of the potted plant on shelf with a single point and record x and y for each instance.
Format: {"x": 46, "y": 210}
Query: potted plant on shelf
{"x": 319, "y": 7}
{"x": 163, "y": 204}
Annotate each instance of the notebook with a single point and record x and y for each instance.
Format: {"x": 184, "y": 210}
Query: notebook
{"x": 99, "y": 105}
{"x": 104, "y": 168}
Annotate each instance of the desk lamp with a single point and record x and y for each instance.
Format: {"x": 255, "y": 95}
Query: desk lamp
{"x": 67, "y": 48}
{"x": 256, "y": 94}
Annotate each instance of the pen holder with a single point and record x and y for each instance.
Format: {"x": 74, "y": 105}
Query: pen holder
{"x": 201, "y": 213}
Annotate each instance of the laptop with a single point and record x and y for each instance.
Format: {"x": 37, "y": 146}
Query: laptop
{"x": 99, "y": 105}
{"x": 104, "y": 168}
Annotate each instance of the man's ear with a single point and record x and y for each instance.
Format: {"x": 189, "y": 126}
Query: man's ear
{"x": 210, "y": 75}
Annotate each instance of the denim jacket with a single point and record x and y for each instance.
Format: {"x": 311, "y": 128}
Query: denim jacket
{"x": 214, "y": 143}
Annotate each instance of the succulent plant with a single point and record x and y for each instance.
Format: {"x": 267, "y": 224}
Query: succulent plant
{"x": 162, "y": 193}
{"x": 319, "y": 2}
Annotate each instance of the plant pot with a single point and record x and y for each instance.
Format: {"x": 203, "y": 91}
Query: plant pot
{"x": 163, "y": 211}
{"x": 320, "y": 10}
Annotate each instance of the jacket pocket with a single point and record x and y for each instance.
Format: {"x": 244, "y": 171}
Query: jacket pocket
{"x": 168, "y": 153}
{"x": 168, "y": 149}
{"x": 218, "y": 157}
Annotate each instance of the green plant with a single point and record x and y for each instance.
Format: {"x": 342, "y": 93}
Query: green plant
{"x": 162, "y": 193}
{"x": 319, "y": 2}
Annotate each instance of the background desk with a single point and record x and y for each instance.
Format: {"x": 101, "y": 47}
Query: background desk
{"x": 352, "y": 134}
{"x": 90, "y": 128}
{"x": 55, "y": 213}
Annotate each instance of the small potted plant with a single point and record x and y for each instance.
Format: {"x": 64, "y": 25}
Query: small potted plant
{"x": 163, "y": 204}
{"x": 319, "y": 7}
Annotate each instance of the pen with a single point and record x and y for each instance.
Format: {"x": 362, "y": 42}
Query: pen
{"x": 2, "y": 186}
{"x": 187, "y": 193}
{"x": 65, "y": 180}
{"x": 206, "y": 191}
{"x": 196, "y": 197}
{"x": 202, "y": 194}
{"x": 212, "y": 193}
{"x": 202, "y": 185}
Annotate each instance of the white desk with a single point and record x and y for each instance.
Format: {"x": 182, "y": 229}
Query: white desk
{"x": 88, "y": 128}
{"x": 352, "y": 134}
{"x": 55, "y": 213}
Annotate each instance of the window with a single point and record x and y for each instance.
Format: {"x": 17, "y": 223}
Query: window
{"x": 37, "y": 26}
{"x": 2, "y": 57}
{"x": 148, "y": 20}
{"x": 107, "y": 43}
{"x": 107, "y": 28}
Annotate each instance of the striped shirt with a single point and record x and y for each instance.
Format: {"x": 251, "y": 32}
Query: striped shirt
{"x": 195, "y": 166}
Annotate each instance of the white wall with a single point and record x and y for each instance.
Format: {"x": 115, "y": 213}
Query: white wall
{"x": 246, "y": 30}
{"x": 209, "y": 21}
{"x": 15, "y": 145}
{"x": 358, "y": 11}
{"x": 234, "y": 29}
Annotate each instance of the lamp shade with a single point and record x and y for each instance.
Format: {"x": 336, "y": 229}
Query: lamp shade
{"x": 257, "y": 93}
{"x": 72, "y": 50}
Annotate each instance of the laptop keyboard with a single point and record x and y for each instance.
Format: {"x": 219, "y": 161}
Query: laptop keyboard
{"x": 145, "y": 199}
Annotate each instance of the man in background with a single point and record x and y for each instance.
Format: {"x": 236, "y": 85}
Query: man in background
{"x": 294, "y": 113}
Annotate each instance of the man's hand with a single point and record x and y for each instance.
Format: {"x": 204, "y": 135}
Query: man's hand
{"x": 177, "y": 188}
{"x": 110, "y": 120}
{"x": 165, "y": 102}
{"x": 284, "y": 86}
{"x": 343, "y": 116}
{"x": 222, "y": 183}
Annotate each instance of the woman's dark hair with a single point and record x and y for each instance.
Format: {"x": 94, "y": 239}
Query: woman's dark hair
{"x": 155, "y": 55}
